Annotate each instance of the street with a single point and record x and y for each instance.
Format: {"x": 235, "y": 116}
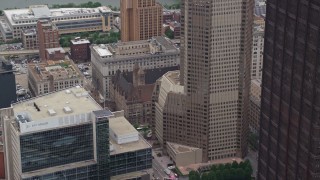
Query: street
{"x": 253, "y": 158}
{"x": 158, "y": 170}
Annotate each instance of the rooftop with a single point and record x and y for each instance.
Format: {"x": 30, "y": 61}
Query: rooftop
{"x": 155, "y": 45}
{"x": 5, "y": 66}
{"x": 58, "y": 104}
{"x": 119, "y": 125}
{"x": 55, "y": 70}
{"x": 29, "y": 32}
{"x": 31, "y": 14}
{"x": 53, "y": 50}
{"x": 178, "y": 148}
{"x": 80, "y": 41}
{"x": 173, "y": 77}
{"x": 129, "y": 147}
{"x": 102, "y": 50}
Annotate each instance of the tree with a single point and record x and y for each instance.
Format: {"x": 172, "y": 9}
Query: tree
{"x": 1, "y": 12}
{"x": 234, "y": 165}
{"x": 169, "y": 33}
{"x": 193, "y": 175}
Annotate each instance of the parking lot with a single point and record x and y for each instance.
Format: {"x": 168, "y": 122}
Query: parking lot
{"x": 11, "y": 47}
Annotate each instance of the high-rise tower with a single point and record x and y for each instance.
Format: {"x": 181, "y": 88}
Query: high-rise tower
{"x": 290, "y": 109}
{"x": 216, "y": 40}
{"x": 140, "y": 19}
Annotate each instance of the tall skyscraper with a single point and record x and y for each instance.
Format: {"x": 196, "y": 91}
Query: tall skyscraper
{"x": 290, "y": 119}
{"x": 140, "y": 19}
{"x": 48, "y": 37}
{"x": 216, "y": 38}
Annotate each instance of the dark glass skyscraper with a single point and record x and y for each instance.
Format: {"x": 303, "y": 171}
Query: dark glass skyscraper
{"x": 290, "y": 118}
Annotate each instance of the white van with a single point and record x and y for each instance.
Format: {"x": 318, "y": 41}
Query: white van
{"x": 167, "y": 171}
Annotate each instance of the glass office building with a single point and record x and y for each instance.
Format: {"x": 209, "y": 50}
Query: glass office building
{"x": 67, "y": 136}
{"x": 130, "y": 162}
{"x": 290, "y": 101}
{"x": 58, "y": 136}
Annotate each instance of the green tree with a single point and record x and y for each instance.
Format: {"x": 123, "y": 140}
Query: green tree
{"x": 169, "y": 33}
{"x": 234, "y": 165}
{"x": 212, "y": 175}
{"x": 193, "y": 175}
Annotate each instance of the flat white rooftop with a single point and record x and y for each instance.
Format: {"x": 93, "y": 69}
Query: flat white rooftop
{"x": 28, "y": 16}
{"x": 80, "y": 41}
{"x": 54, "y": 104}
{"x": 102, "y": 50}
{"x": 120, "y": 126}
{"x": 129, "y": 147}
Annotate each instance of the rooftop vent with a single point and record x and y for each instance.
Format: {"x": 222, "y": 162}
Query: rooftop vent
{"x": 51, "y": 112}
{"x": 36, "y": 106}
{"x": 67, "y": 109}
{"x": 22, "y": 119}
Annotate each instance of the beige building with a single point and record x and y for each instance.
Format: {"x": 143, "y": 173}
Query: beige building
{"x": 212, "y": 107}
{"x": 257, "y": 49}
{"x": 67, "y": 20}
{"x": 107, "y": 59}
{"x": 53, "y": 76}
{"x": 30, "y": 39}
{"x": 255, "y": 105}
{"x": 168, "y": 109}
{"x": 140, "y": 19}
{"x": 132, "y": 92}
{"x": 184, "y": 155}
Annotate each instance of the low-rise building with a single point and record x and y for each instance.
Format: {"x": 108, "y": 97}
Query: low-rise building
{"x": 53, "y": 76}
{"x": 80, "y": 50}
{"x": 30, "y": 39}
{"x": 55, "y": 54}
{"x": 175, "y": 27}
{"x": 184, "y": 155}
{"x": 132, "y": 92}
{"x": 67, "y": 20}
{"x": 129, "y": 151}
{"x": 171, "y": 15}
{"x": 157, "y": 52}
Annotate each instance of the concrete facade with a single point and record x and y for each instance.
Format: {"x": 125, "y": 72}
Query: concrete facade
{"x": 30, "y": 39}
{"x": 215, "y": 80}
{"x": 257, "y": 49}
{"x": 53, "y": 76}
{"x": 68, "y": 20}
{"x": 107, "y": 59}
{"x": 255, "y": 105}
{"x": 48, "y": 37}
{"x": 140, "y": 19}
{"x": 184, "y": 155}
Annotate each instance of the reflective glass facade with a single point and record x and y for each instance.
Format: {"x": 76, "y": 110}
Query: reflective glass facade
{"x": 85, "y": 173}
{"x": 130, "y": 162}
{"x": 68, "y": 145}
{"x": 56, "y": 147}
{"x": 290, "y": 102}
